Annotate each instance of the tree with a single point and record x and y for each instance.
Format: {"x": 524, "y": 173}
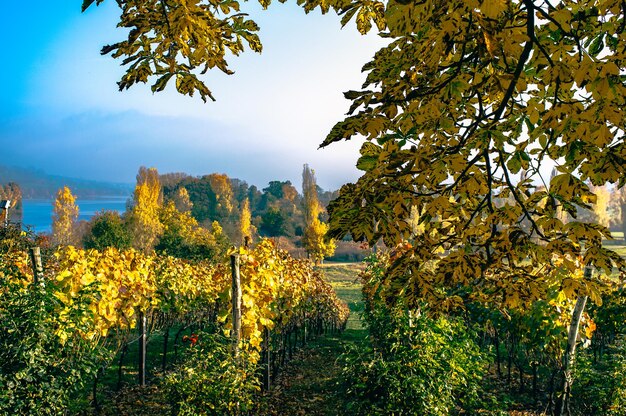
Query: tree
{"x": 272, "y": 223}
{"x": 465, "y": 96}
{"x": 64, "y": 216}
{"x": 144, "y": 222}
{"x": 314, "y": 234}
{"x": 182, "y": 235}
{"x": 182, "y": 201}
{"x": 246, "y": 228}
{"x": 220, "y": 183}
{"x": 12, "y": 191}
{"x": 107, "y": 229}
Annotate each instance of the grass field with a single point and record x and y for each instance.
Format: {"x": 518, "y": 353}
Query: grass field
{"x": 345, "y": 280}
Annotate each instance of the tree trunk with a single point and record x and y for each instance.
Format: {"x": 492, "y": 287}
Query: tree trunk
{"x": 570, "y": 354}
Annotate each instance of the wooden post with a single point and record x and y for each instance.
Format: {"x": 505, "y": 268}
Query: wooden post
{"x": 236, "y": 302}
{"x": 267, "y": 376}
{"x": 35, "y": 259}
{"x": 142, "y": 348}
{"x": 570, "y": 353}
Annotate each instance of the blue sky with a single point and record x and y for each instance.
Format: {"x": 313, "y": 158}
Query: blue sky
{"x": 61, "y": 111}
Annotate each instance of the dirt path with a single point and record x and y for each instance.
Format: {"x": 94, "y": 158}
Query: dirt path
{"x": 309, "y": 385}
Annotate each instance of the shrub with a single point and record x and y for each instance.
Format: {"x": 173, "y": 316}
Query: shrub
{"x": 432, "y": 368}
{"x": 40, "y": 373}
{"x": 600, "y": 385}
{"x": 211, "y": 381}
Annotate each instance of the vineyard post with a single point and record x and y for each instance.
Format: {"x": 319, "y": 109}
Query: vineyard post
{"x": 268, "y": 362}
{"x": 236, "y": 299}
{"x": 35, "y": 257}
{"x": 142, "y": 348}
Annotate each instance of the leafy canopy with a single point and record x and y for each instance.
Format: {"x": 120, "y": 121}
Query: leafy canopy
{"x": 460, "y": 112}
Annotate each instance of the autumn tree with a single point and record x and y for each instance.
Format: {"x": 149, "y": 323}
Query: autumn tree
{"x": 64, "y": 216}
{"x": 220, "y": 183}
{"x": 246, "y": 228}
{"x": 144, "y": 222}
{"x": 181, "y": 199}
{"x": 313, "y": 239}
{"x": 12, "y": 192}
{"x": 182, "y": 236}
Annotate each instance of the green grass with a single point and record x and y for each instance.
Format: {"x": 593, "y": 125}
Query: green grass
{"x": 619, "y": 249}
{"x": 344, "y": 277}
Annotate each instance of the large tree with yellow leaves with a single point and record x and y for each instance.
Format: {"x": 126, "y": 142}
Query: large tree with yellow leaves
{"x": 463, "y": 114}
{"x": 144, "y": 221}
{"x": 64, "y": 216}
{"x": 466, "y": 96}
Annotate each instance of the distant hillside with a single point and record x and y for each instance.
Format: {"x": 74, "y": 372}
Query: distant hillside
{"x": 36, "y": 184}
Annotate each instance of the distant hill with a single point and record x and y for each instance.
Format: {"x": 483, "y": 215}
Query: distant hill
{"x": 36, "y": 184}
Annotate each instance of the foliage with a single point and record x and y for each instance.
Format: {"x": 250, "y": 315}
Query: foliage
{"x": 314, "y": 235}
{"x": 416, "y": 365}
{"x": 169, "y": 39}
{"x": 40, "y": 373}
{"x": 280, "y": 293}
{"x": 246, "y": 229}
{"x": 273, "y": 223}
{"x": 182, "y": 201}
{"x": 315, "y": 242}
{"x": 211, "y": 381}
{"x": 107, "y": 229}
{"x": 220, "y": 183}
{"x": 65, "y": 214}
{"x": 115, "y": 285}
{"x": 498, "y": 90}
{"x": 601, "y": 384}
{"x": 183, "y": 237}
{"x": 144, "y": 221}
{"x": 434, "y": 368}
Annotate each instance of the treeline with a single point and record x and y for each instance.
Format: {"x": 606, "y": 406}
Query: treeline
{"x": 200, "y": 217}
{"x": 276, "y": 210}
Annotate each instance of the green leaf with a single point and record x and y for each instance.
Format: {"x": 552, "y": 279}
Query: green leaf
{"x": 366, "y": 162}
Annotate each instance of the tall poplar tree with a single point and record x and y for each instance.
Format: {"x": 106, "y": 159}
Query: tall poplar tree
{"x": 145, "y": 226}
{"x": 245, "y": 223}
{"x": 314, "y": 235}
{"x": 64, "y": 216}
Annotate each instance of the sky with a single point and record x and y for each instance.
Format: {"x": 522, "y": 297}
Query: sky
{"x": 60, "y": 110}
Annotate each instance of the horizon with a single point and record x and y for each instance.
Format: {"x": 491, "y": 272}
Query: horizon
{"x": 131, "y": 184}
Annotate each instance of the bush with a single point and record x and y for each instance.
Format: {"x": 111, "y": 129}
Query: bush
{"x": 432, "y": 368}
{"x": 40, "y": 373}
{"x": 600, "y": 385}
{"x": 211, "y": 381}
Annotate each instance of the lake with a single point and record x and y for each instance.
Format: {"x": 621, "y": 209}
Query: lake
{"x": 38, "y": 212}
